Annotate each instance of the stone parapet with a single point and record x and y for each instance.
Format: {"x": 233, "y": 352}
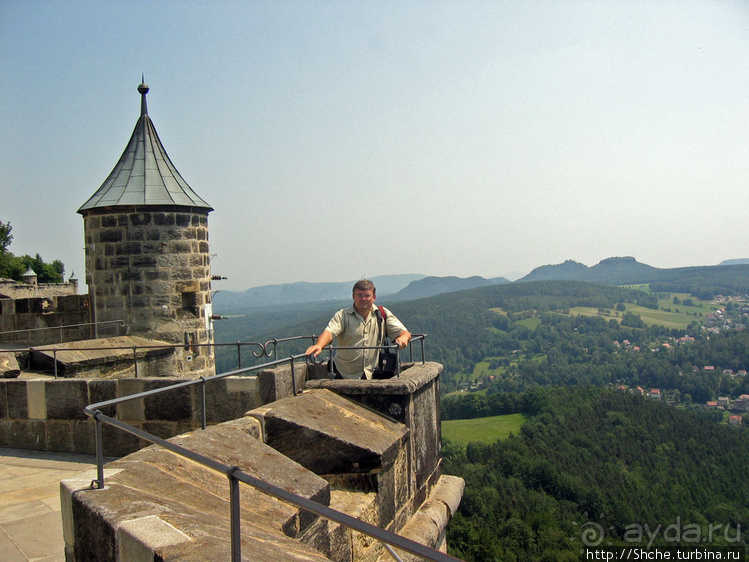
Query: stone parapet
{"x": 320, "y": 445}
{"x": 43, "y": 320}
{"x": 430, "y": 521}
{"x": 17, "y": 290}
{"x": 413, "y": 399}
{"x": 46, "y": 414}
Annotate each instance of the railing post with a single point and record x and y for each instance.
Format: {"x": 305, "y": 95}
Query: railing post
{"x": 293, "y": 376}
{"x": 239, "y": 355}
{"x": 202, "y": 403}
{"x": 236, "y": 530}
{"x": 54, "y": 359}
{"x": 61, "y": 338}
{"x": 135, "y": 360}
{"x": 99, "y": 453}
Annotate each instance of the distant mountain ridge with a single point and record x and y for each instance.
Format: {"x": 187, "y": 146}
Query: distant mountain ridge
{"x": 430, "y": 286}
{"x": 628, "y": 271}
{"x": 304, "y": 292}
{"x": 389, "y": 287}
{"x": 729, "y": 277}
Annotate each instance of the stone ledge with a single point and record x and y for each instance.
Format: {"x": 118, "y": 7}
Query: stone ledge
{"x": 330, "y": 434}
{"x": 75, "y": 356}
{"x": 410, "y": 381}
{"x": 427, "y": 526}
{"x": 138, "y": 539}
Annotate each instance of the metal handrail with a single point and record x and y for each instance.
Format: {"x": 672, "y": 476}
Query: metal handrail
{"x": 267, "y": 349}
{"x": 236, "y": 475}
{"x": 120, "y": 324}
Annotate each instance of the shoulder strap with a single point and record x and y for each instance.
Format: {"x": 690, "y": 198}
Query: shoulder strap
{"x": 381, "y": 315}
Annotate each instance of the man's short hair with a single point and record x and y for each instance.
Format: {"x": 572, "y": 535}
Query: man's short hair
{"x": 364, "y": 285}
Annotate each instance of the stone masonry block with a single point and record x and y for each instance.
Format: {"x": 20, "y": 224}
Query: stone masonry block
{"x": 37, "y": 403}
{"x": 118, "y": 443}
{"x": 26, "y": 434}
{"x": 59, "y": 436}
{"x": 110, "y": 235}
{"x": 102, "y": 391}
{"x": 277, "y": 383}
{"x": 330, "y": 434}
{"x": 3, "y": 400}
{"x": 412, "y": 399}
{"x": 163, "y": 219}
{"x": 140, "y": 219}
{"x": 138, "y": 539}
{"x": 66, "y": 398}
{"x": 83, "y": 434}
{"x": 131, "y": 410}
{"x": 171, "y": 405}
{"x": 226, "y": 399}
{"x": 18, "y": 405}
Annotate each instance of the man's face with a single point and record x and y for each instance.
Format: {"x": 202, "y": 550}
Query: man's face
{"x": 363, "y": 300}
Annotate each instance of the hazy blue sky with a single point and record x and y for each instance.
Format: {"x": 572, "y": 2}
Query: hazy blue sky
{"x": 337, "y": 140}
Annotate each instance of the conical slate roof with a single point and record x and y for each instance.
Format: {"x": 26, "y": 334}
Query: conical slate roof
{"x": 144, "y": 175}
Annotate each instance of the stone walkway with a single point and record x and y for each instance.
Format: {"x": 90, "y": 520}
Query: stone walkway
{"x": 30, "y": 521}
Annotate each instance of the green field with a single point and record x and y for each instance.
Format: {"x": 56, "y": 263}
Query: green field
{"x": 485, "y": 430}
{"x": 649, "y": 316}
{"x": 680, "y": 316}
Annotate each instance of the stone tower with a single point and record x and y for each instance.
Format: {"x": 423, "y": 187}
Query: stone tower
{"x": 147, "y": 256}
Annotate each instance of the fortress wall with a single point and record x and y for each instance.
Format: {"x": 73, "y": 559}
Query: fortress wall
{"x": 16, "y": 290}
{"x": 36, "y": 313}
{"x": 324, "y": 443}
{"x": 47, "y": 414}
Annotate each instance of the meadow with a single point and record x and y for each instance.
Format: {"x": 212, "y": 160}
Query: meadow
{"x": 485, "y": 430}
{"x": 668, "y": 315}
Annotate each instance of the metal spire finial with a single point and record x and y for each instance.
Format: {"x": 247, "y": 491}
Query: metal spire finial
{"x": 143, "y": 89}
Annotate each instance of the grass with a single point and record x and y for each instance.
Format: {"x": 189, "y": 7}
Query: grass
{"x": 652, "y": 317}
{"x": 649, "y": 316}
{"x": 486, "y": 430}
{"x": 530, "y": 323}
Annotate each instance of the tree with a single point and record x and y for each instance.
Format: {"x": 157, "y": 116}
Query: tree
{"x": 5, "y": 236}
{"x": 13, "y": 267}
{"x": 632, "y": 320}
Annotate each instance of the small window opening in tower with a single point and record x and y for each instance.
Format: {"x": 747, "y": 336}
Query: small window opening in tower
{"x": 190, "y": 302}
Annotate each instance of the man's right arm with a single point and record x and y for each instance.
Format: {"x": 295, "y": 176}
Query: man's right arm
{"x": 324, "y": 340}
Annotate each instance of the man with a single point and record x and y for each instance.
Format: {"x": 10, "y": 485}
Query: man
{"x": 358, "y": 325}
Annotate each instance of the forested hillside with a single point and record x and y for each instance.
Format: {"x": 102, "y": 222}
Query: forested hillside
{"x": 594, "y": 466}
{"x": 514, "y": 336}
{"x": 462, "y": 326}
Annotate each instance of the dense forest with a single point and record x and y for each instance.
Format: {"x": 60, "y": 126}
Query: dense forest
{"x": 596, "y": 466}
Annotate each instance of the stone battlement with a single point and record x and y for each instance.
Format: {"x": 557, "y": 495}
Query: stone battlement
{"x": 369, "y": 449}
